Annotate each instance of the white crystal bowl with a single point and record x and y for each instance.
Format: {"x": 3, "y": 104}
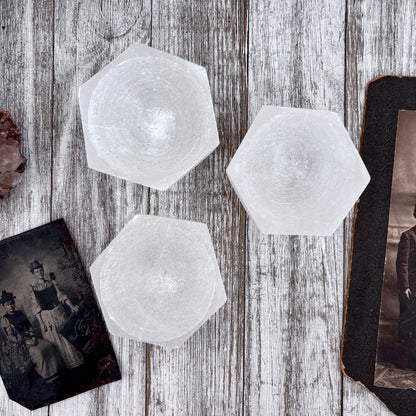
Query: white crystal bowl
{"x": 297, "y": 171}
{"x": 148, "y": 117}
{"x": 158, "y": 280}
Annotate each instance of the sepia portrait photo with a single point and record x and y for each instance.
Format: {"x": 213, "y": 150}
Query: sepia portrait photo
{"x": 53, "y": 341}
{"x": 395, "y": 365}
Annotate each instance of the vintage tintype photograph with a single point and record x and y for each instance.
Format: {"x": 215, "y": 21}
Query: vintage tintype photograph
{"x": 396, "y": 343}
{"x": 53, "y": 341}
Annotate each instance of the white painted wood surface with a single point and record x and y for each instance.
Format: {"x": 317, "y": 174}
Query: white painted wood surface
{"x": 274, "y": 348}
{"x": 294, "y": 287}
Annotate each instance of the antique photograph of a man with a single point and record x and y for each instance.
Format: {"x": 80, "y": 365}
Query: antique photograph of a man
{"x": 406, "y": 284}
{"x": 395, "y": 365}
{"x": 53, "y": 340}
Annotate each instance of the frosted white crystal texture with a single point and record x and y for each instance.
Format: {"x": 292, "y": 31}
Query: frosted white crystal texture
{"x": 148, "y": 117}
{"x": 158, "y": 281}
{"x": 297, "y": 171}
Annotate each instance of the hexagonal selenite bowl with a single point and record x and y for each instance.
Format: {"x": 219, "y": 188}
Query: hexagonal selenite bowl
{"x": 297, "y": 171}
{"x": 148, "y": 117}
{"x": 158, "y": 281}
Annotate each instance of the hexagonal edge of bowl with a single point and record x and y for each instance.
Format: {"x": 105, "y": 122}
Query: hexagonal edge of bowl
{"x": 86, "y": 90}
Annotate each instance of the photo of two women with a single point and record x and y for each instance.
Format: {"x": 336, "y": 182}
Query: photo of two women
{"x": 53, "y": 342}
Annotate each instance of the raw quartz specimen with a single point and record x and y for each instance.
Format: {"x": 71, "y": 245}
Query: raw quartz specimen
{"x": 12, "y": 163}
{"x": 158, "y": 281}
{"x": 148, "y": 117}
{"x": 297, "y": 171}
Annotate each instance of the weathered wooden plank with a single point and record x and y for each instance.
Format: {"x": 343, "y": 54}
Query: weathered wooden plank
{"x": 26, "y": 28}
{"x": 379, "y": 40}
{"x": 26, "y": 75}
{"x": 294, "y": 287}
{"x": 293, "y": 295}
{"x": 205, "y": 376}
{"x": 88, "y": 35}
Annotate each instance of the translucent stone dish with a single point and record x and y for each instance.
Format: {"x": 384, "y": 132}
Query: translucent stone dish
{"x": 297, "y": 172}
{"x": 148, "y": 117}
{"x": 158, "y": 281}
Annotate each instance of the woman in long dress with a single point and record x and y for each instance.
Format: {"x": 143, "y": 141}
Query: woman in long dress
{"x": 49, "y": 307}
{"x": 25, "y": 349}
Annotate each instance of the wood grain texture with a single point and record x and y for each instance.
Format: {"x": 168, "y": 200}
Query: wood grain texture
{"x": 273, "y": 349}
{"x": 26, "y": 28}
{"x": 294, "y": 287}
{"x": 95, "y": 206}
{"x": 379, "y": 40}
{"x": 205, "y": 376}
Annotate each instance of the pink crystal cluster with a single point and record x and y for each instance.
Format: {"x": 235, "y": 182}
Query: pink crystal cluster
{"x": 12, "y": 162}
